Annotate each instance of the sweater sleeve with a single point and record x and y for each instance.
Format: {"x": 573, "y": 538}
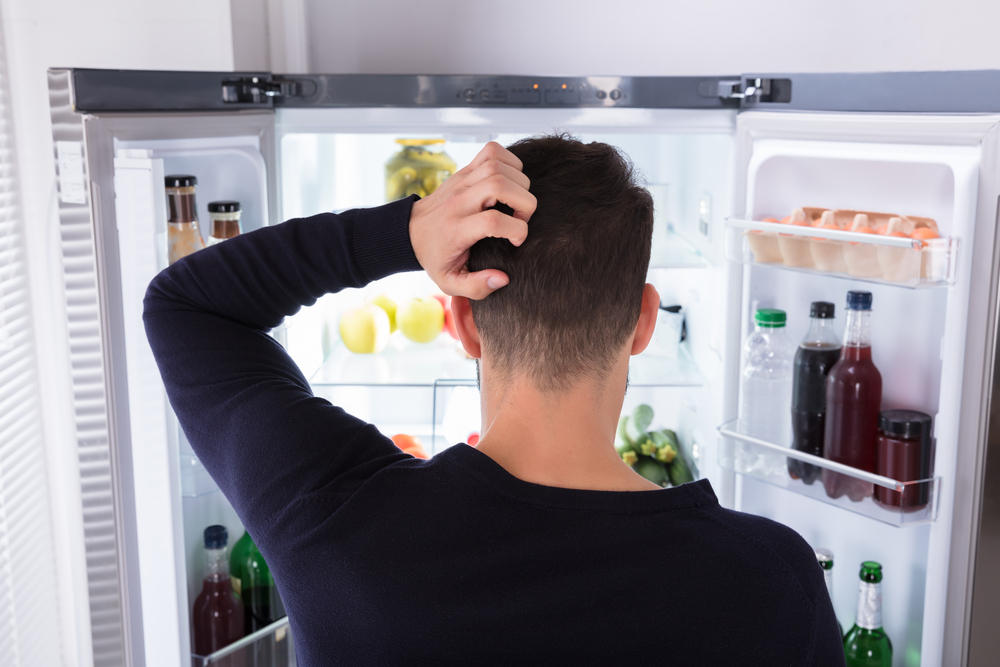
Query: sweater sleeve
{"x": 243, "y": 404}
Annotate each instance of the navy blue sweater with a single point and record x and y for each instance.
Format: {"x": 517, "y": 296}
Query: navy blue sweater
{"x": 383, "y": 559}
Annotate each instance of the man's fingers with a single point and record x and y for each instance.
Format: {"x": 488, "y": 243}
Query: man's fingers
{"x": 498, "y": 188}
{"x": 494, "y": 151}
{"x": 494, "y": 168}
{"x": 478, "y": 285}
{"x": 493, "y": 224}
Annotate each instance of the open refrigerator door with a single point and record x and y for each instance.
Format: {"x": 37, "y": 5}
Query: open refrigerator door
{"x": 147, "y": 498}
{"x": 931, "y": 330}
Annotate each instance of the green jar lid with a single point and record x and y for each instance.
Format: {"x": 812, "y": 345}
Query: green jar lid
{"x": 771, "y": 318}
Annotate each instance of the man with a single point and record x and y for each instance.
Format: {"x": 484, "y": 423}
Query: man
{"x": 540, "y": 546}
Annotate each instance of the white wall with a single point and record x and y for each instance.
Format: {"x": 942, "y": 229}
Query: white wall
{"x": 650, "y": 37}
{"x": 128, "y": 34}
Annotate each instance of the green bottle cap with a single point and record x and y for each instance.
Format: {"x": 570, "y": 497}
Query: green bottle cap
{"x": 770, "y": 318}
{"x": 871, "y": 572}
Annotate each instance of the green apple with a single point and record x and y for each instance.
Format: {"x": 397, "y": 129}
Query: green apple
{"x": 365, "y": 330}
{"x": 389, "y": 306}
{"x": 421, "y": 320}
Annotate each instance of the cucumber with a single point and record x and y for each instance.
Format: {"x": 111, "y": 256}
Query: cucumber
{"x": 622, "y": 437}
{"x": 683, "y": 452}
{"x": 642, "y": 417}
{"x": 645, "y": 445}
{"x": 651, "y": 470}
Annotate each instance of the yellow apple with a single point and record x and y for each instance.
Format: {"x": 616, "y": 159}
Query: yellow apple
{"x": 421, "y": 320}
{"x": 389, "y": 306}
{"x": 365, "y": 330}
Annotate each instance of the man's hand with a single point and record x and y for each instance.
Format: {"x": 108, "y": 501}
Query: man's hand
{"x": 449, "y": 221}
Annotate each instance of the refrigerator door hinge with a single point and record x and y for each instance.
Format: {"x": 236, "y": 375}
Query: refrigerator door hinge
{"x": 744, "y": 90}
{"x": 260, "y": 90}
{"x": 753, "y": 90}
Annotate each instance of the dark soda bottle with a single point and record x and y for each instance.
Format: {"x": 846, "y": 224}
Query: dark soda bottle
{"x": 853, "y": 401}
{"x": 261, "y": 604}
{"x": 817, "y": 354}
{"x": 217, "y": 616}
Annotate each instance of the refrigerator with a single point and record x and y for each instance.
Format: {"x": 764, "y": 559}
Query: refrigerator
{"x": 719, "y": 154}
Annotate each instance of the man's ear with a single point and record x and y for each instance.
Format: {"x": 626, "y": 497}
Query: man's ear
{"x": 647, "y": 319}
{"x": 461, "y": 310}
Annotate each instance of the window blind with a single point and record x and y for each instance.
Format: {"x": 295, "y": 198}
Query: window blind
{"x": 29, "y": 613}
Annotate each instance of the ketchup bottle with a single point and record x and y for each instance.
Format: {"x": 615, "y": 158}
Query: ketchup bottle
{"x": 853, "y": 401}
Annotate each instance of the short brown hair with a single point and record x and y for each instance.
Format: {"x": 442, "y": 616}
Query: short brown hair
{"x": 576, "y": 283}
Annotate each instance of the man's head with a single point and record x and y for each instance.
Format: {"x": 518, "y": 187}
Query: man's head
{"x": 576, "y": 283}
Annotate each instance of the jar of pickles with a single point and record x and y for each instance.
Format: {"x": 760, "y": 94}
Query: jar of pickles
{"x": 420, "y": 166}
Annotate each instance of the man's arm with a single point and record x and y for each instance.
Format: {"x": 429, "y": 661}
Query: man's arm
{"x": 245, "y": 407}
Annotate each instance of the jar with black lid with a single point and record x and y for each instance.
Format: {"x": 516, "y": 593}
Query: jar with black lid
{"x": 183, "y": 235}
{"x": 225, "y": 221}
{"x": 903, "y": 453}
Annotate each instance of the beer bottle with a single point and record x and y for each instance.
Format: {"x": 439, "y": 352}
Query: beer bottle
{"x": 825, "y": 559}
{"x": 866, "y": 644}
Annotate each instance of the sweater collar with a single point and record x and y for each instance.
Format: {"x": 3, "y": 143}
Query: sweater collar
{"x": 494, "y": 476}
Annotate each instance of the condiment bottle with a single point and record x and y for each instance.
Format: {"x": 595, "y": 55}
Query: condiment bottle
{"x": 853, "y": 401}
{"x": 903, "y": 453}
{"x": 224, "y": 221}
{"x": 217, "y": 616}
{"x": 817, "y": 354}
{"x": 183, "y": 235}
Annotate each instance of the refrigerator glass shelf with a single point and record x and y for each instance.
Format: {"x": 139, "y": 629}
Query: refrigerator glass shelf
{"x": 195, "y": 480}
{"x": 888, "y": 260}
{"x": 268, "y": 646}
{"x": 768, "y": 462}
{"x": 672, "y": 251}
{"x": 405, "y": 364}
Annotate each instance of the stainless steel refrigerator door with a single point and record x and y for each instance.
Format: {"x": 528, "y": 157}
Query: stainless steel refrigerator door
{"x": 103, "y": 326}
{"x": 968, "y": 334}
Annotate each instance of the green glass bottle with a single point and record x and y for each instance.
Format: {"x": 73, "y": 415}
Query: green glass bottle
{"x": 261, "y": 603}
{"x": 866, "y": 644}
{"x": 237, "y": 559}
{"x": 825, "y": 559}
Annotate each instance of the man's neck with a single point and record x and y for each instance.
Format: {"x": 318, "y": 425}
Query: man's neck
{"x": 562, "y": 439}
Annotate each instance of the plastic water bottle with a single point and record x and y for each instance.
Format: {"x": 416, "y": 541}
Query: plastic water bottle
{"x": 766, "y": 380}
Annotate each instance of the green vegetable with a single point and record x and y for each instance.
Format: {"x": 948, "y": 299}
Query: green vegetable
{"x": 623, "y": 431}
{"x": 651, "y": 470}
{"x": 679, "y": 472}
{"x": 683, "y": 452}
{"x": 666, "y": 454}
{"x": 642, "y": 417}
{"x": 665, "y": 450}
{"x": 645, "y": 445}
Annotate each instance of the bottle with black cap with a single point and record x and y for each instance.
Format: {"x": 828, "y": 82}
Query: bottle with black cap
{"x": 183, "y": 235}
{"x": 817, "y": 354}
{"x": 853, "y": 401}
{"x": 903, "y": 453}
{"x": 217, "y": 616}
{"x": 225, "y": 221}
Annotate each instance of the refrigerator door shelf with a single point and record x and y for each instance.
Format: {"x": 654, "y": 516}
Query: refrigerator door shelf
{"x": 767, "y": 462}
{"x": 271, "y": 646}
{"x": 873, "y": 258}
{"x": 406, "y": 364}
